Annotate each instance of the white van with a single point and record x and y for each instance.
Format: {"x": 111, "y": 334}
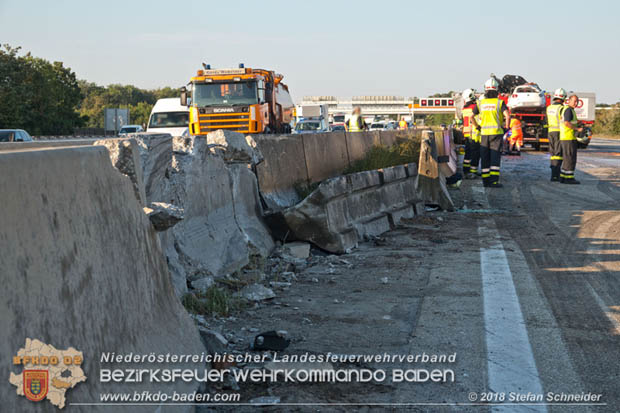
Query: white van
{"x": 168, "y": 116}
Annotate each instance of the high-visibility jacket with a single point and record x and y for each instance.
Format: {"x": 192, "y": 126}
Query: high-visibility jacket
{"x": 468, "y": 113}
{"x": 566, "y": 133}
{"x": 354, "y": 123}
{"x": 491, "y": 116}
{"x": 553, "y": 117}
{"x": 476, "y": 136}
{"x": 515, "y": 127}
{"x": 402, "y": 124}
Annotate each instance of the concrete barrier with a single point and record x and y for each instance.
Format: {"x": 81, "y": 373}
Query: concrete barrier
{"x": 431, "y": 181}
{"x": 82, "y": 267}
{"x": 326, "y": 154}
{"x": 283, "y": 167}
{"x": 222, "y": 223}
{"x": 348, "y": 208}
{"x": 358, "y": 143}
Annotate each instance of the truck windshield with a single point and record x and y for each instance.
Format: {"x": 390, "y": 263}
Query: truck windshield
{"x": 224, "y": 94}
{"x": 169, "y": 120}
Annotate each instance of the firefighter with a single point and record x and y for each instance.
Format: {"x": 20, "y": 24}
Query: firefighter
{"x": 553, "y": 131}
{"x": 469, "y": 99}
{"x": 568, "y": 141}
{"x": 356, "y": 122}
{"x": 494, "y": 119}
{"x": 402, "y": 124}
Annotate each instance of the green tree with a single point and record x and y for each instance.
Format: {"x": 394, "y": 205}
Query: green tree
{"x": 37, "y": 95}
{"x": 139, "y": 113}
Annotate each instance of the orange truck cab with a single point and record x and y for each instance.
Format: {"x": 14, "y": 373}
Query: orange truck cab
{"x": 242, "y": 100}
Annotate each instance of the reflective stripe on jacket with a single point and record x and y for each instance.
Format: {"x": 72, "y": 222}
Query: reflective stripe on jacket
{"x": 553, "y": 117}
{"x": 468, "y": 112}
{"x": 491, "y": 116}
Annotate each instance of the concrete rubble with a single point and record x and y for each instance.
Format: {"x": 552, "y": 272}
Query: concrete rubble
{"x": 256, "y": 292}
{"x": 234, "y": 147}
{"x": 222, "y": 223}
{"x": 163, "y": 216}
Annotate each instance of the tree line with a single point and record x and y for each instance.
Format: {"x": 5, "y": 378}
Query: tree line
{"x": 46, "y": 98}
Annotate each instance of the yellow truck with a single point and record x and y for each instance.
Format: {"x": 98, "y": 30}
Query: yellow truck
{"x": 242, "y": 100}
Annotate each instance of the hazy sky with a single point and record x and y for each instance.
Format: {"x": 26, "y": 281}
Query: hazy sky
{"x": 341, "y": 48}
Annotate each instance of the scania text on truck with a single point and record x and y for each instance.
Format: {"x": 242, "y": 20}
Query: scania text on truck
{"x": 243, "y": 100}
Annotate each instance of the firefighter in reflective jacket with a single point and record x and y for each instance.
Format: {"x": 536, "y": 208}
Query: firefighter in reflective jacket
{"x": 494, "y": 118}
{"x": 402, "y": 125}
{"x": 472, "y": 149}
{"x": 568, "y": 141}
{"x": 553, "y": 128}
{"x": 356, "y": 122}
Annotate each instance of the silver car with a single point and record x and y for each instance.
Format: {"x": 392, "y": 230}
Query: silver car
{"x": 14, "y": 135}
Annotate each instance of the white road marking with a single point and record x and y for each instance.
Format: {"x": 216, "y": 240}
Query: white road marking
{"x": 601, "y": 233}
{"x": 510, "y": 360}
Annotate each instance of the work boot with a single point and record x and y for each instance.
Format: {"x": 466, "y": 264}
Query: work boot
{"x": 555, "y": 178}
{"x": 571, "y": 181}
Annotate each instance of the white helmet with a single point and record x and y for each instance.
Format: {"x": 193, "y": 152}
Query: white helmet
{"x": 468, "y": 94}
{"x": 491, "y": 84}
{"x": 559, "y": 94}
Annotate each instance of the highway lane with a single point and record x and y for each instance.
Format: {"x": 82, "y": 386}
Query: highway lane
{"x": 570, "y": 238}
{"x": 522, "y": 284}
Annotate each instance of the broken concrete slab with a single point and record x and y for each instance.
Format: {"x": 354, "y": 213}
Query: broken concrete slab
{"x": 222, "y": 213}
{"x": 234, "y": 147}
{"x": 284, "y": 167}
{"x": 125, "y": 157}
{"x": 248, "y": 209}
{"x": 348, "y": 208}
{"x": 163, "y": 216}
{"x": 431, "y": 182}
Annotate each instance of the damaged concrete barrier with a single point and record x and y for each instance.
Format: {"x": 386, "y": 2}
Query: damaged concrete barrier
{"x": 283, "y": 168}
{"x": 222, "y": 223}
{"x": 345, "y": 209}
{"x": 431, "y": 180}
{"x": 82, "y": 267}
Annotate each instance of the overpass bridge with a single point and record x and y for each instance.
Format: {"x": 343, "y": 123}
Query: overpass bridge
{"x": 389, "y": 106}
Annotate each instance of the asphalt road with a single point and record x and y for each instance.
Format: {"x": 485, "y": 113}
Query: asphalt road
{"x": 522, "y": 284}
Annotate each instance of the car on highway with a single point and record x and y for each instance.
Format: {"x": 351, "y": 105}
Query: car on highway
{"x": 527, "y": 96}
{"x": 311, "y": 126}
{"x": 338, "y": 127}
{"x": 377, "y": 126}
{"x": 14, "y": 135}
{"x": 130, "y": 129}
